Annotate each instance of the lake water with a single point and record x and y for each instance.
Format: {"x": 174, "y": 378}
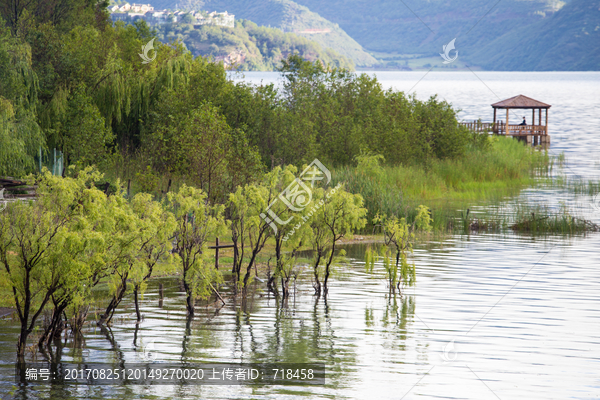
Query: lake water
{"x": 491, "y": 317}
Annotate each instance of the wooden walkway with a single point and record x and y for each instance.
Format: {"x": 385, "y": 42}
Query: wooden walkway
{"x": 12, "y": 189}
{"x": 531, "y": 134}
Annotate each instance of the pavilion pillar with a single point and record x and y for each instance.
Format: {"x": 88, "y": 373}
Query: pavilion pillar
{"x": 540, "y": 117}
{"x": 494, "y": 122}
{"x": 506, "y": 132}
{"x": 546, "y": 121}
{"x": 533, "y": 116}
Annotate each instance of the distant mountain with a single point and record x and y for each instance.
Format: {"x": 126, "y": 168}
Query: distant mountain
{"x": 420, "y": 27}
{"x": 568, "y": 40}
{"x": 490, "y": 34}
{"x": 496, "y": 35}
{"x": 287, "y": 16}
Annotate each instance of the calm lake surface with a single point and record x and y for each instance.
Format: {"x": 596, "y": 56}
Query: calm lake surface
{"x": 491, "y": 316}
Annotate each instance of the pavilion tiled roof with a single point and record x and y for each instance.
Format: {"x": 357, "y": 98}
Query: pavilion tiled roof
{"x": 520, "y": 101}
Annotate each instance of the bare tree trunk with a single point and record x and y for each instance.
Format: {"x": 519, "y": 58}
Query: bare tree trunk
{"x": 160, "y": 294}
{"x": 317, "y": 283}
{"x": 283, "y": 288}
{"x": 249, "y": 269}
{"x": 137, "y": 305}
{"x": 399, "y": 276}
{"x": 55, "y": 327}
{"x": 22, "y": 343}
{"x": 189, "y": 301}
{"x": 24, "y": 312}
{"x": 235, "y": 258}
{"x": 271, "y": 286}
{"x": 327, "y": 271}
{"x": 79, "y": 319}
{"x": 114, "y": 302}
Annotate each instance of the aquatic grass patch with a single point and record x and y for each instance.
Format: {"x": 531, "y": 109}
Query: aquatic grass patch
{"x": 539, "y": 220}
{"x": 449, "y": 184}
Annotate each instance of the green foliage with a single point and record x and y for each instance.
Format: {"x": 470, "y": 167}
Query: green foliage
{"x": 289, "y": 236}
{"x": 369, "y": 165}
{"x": 148, "y": 180}
{"x": 197, "y": 223}
{"x": 21, "y": 17}
{"x": 155, "y": 229}
{"x": 82, "y": 134}
{"x": 248, "y": 228}
{"x": 401, "y": 236}
{"x": 51, "y": 246}
{"x": 20, "y": 136}
{"x": 481, "y": 173}
{"x": 198, "y": 143}
{"x": 536, "y": 220}
{"x": 347, "y": 113}
{"x": 335, "y": 214}
{"x": 259, "y": 48}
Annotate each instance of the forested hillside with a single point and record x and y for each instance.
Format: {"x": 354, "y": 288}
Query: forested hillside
{"x": 247, "y": 46}
{"x": 505, "y": 35}
{"x": 287, "y": 16}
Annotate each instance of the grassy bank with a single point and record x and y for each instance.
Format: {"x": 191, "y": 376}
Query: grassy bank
{"x": 449, "y": 184}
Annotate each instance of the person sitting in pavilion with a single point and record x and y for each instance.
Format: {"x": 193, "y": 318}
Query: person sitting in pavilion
{"x": 524, "y": 122}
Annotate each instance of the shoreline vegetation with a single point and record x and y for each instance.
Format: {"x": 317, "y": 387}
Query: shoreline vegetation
{"x": 162, "y": 158}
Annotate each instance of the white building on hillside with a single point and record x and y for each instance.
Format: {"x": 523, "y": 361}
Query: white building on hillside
{"x": 215, "y": 18}
{"x": 141, "y": 8}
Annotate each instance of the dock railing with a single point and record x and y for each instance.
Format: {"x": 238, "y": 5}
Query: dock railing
{"x": 499, "y": 128}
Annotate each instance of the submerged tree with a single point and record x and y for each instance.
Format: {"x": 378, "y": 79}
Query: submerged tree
{"x": 289, "y": 236}
{"x": 120, "y": 252}
{"x": 156, "y": 227}
{"x": 246, "y": 208}
{"x": 40, "y": 244}
{"x": 197, "y": 223}
{"x": 401, "y": 236}
{"x": 142, "y": 229}
{"x": 336, "y": 214}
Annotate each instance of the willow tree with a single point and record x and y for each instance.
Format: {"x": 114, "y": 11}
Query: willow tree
{"x": 257, "y": 214}
{"x": 143, "y": 229}
{"x": 399, "y": 235}
{"x": 196, "y": 223}
{"x": 20, "y": 136}
{"x": 252, "y": 221}
{"x": 40, "y": 242}
{"x": 122, "y": 248}
{"x": 122, "y": 90}
{"x": 336, "y": 214}
{"x": 155, "y": 227}
{"x": 289, "y": 237}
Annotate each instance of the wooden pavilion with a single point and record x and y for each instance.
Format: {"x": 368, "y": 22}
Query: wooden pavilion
{"x": 531, "y": 133}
